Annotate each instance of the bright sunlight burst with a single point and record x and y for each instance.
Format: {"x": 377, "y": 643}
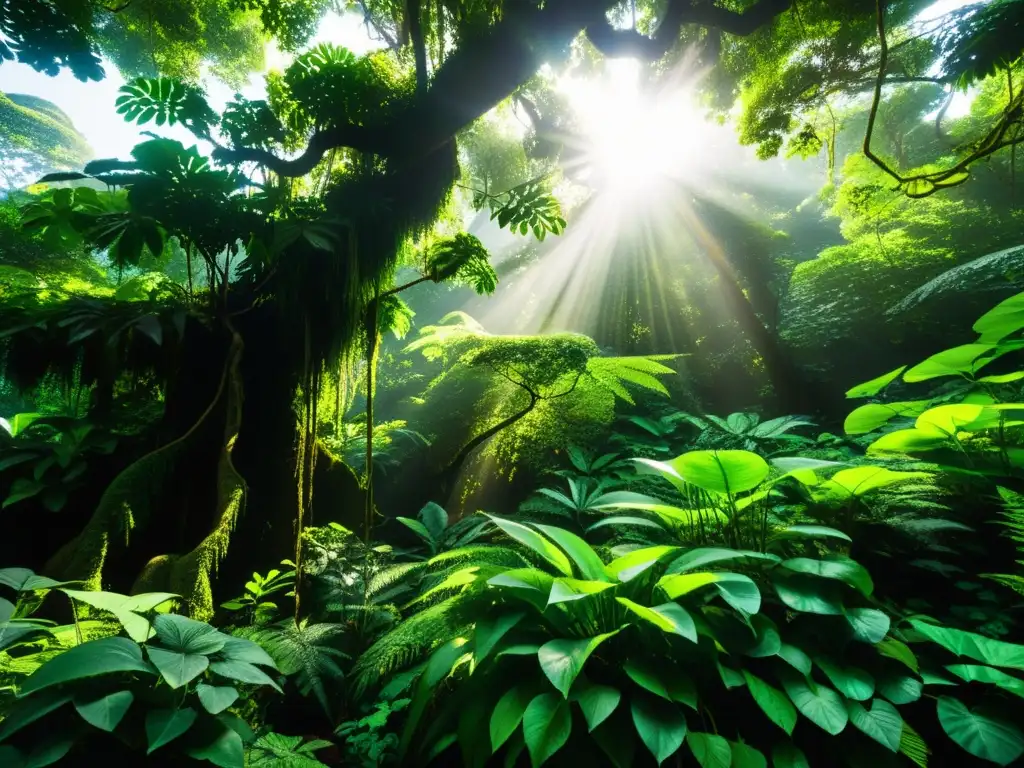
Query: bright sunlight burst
{"x": 634, "y": 137}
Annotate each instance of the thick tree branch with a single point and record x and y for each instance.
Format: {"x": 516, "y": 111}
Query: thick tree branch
{"x": 629, "y": 42}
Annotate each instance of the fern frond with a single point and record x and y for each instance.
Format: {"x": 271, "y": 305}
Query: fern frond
{"x": 913, "y": 746}
{"x": 386, "y": 579}
{"x": 643, "y": 372}
{"x": 412, "y": 640}
{"x": 481, "y": 554}
{"x": 307, "y": 651}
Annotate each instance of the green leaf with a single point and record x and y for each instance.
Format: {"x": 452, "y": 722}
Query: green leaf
{"x": 639, "y": 560}
{"x": 92, "y": 658}
{"x": 882, "y": 722}
{"x": 900, "y": 689}
{"x": 508, "y": 713}
{"x": 977, "y": 674}
{"x": 562, "y": 660}
{"x": 126, "y": 608}
{"x": 772, "y": 702}
{"x": 177, "y": 668}
{"x": 869, "y": 625}
{"x": 243, "y": 672}
{"x": 818, "y": 703}
{"x": 964, "y": 359}
{"x": 909, "y": 441}
{"x": 795, "y": 657}
{"x": 737, "y": 590}
{"x": 24, "y": 580}
{"x": 994, "y": 652}
{"x": 853, "y": 683}
{"x": 812, "y": 532}
{"x": 698, "y": 558}
{"x": 598, "y": 702}
{"x": 660, "y": 724}
{"x": 27, "y": 710}
{"x": 490, "y": 630}
{"x": 788, "y": 755}
{"x": 1003, "y": 319}
{"x": 165, "y": 725}
{"x": 725, "y": 472}
{"x": 275, "y": 750}
{"x": 418, "y": 528}
{"x": 240, "y": 649}
{"x": 225, "y": 750}
{"x": 664, "y": 680}
{"x": 709, "y": 750}
{"x": 808, "y": 594}
{"x": 669, "y": 617}
{"x": 106, "y": 711}
{"x": 566, "y": 590}
{"x": 216, "y": 698}
{"x": 841, "y": 569}
{"x": 180, "y": 633}
{"x": 582, "y": 554}
{"x": 983, "y": 734}
{"x": 876, "y": 385}
{"x": 547, "y": 723}
{"x": 48, "y": 753}
{"x": 745, "y": 756}
{"x": 868, "y": 418}
{"x": 530, "y": 538}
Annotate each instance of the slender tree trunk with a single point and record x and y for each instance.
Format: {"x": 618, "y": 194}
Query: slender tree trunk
{"x": 419, "y": 47}
{"x": 372, "y": 344}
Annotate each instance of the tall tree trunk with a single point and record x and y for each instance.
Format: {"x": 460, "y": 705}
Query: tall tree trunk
{"x": 372, "y": 345}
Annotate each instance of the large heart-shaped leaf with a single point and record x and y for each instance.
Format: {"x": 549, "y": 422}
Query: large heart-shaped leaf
{"x": 901, "y": 689}
{"x": 126, "y": 608}
{"x": 772, "y": 702}
{"x": 882, "y": 722}
{"x": 180, "y": 633}
{"x": 165, "y": 725}
{"x": 745, "y": 756}
{"x": 660, "y": 724}
{"x": 562, "y": 660}
{"x": 984, "y": 734}
{"x": 818, "y": 703}
{"x": 709, "y": 750}
{"x": 216, "y": 698}
{"x": 852, "y": 682}
{"x": 736, "y": 589}
{"x": 104, "y": 712}
{"x": 869, "y": 624}
{"x": 92, "y": 658}
{"x": 547, "y": 723}
{"x": 243, "y": 672}
{"x": 240, "y": 649}
{"x": 598, "y": 702}
{"x": 226, "y": 749}
{"x": 664, "y": 680}
{"x": 841, "y": 569}
{"x": 725, "y": 472}
{"x": 178, "y": 668}
{"x": 808, "y": 594}
{"x": 489, "y": 630}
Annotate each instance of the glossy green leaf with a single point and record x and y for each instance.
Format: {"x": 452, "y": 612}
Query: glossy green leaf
{"x": 900, "y": 689}
{"x": 24, "y": 580}
{"x": 964, "y": 359}
{"x": 226, "y": 749}
{"x": 562, "y": 660}
{"x": 490, "y": 630}
{"x": 165, "y": 725}
{"x": 536, "y": 542}
{"x": 660, "y": 724}
{"x": 508, "y": 713}
{"x": 974, "y": 673}
{"x": 994, "y": 652}
{"x": 841, "y": 569}
{"x": 868, "y": 418}
{"x": 92, "y": 658}
{"x": 808, "y": 594}
{"x": 1003, "y": 319}
{"x": 850, "y": 681}
{"x": 876, "y": 385}
{"x": 180, "y": 633}
{"x": 598, "y": 702}
{"x": 567, "y": 590}
{"x": 126, "y": 608}
{"x": 882, "y": 722}
{"x": 579, "y": 552}
{"x": 639, "y": 560}
{"x": 104, "y": 712}
{"x": 28, "y": 710}
{"x": 795, "y": 657}
{"x": 745, "y": 756}
{"x": 243, "y": 672}
{"x": 216, "y": 698}
{"x": 772, "y": 702}
{"x": 669, "y": 617}
{"x": 178, "y": 668}
{"x": 811, "y": 532}
{"x": 737, "y": 590}
{"x": 240, "y": 649}
{"x": 547, "y": 723}
{"x": 984, "y": 734}
{"x": 709, "y": 750}
{"x": 818, "y": 703}
{"x": 698, "y": 558}
{"x": 725, "y": 472}
{"x": 869, "y": 624}
{"x": 909, "y": 441}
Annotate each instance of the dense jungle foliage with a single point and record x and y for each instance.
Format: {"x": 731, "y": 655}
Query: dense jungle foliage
{"x": 381, "y": 423}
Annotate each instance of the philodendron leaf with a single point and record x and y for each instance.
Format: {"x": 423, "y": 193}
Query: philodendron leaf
{"x": 844, "y": 569}
{"x": 745, "y": 756}
{"x": 489, "y": 631}
{"x": 772, "y": 702}
{"x": 980, "y": 674}
{"x": 105, "y": 712}
{"x": 869, "y": 624}
{"x": 984, "y": 734}
{"x": 165, "y": 725}
{"x": 709, "y": 750}
{"x": 226, "y": 749}
{"x": 994, "y": 652}
{"x": 216, "y": 698}
{"x": 562, "y": 660}
{"x": 660, "y": 724}
{"x": 669, "y": 617}
{"x": 547, "y": 723}
{"x": 92, "y": 658}
{"x": 725, "y": 472}
{"x": 598, "y": 702}
{"x": 664, "y": 680}
{"x": 737, "y": 590}
{"x": 579, "y": 551}
{"x": 177, "y": 668}
{"x": 808, "y": 594}
{"x": 818, "y": 703}
{"x": 852, "y": 682}
{"x": 699, "y": 558}
{"x": 180, "y": 633}
{"x": 536, "y": 542}
{"x": 901, "y": 689}
{"x": 882, "y": 722}
{"x": 243, "y": 672}
{"x": 508, "y": 713}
